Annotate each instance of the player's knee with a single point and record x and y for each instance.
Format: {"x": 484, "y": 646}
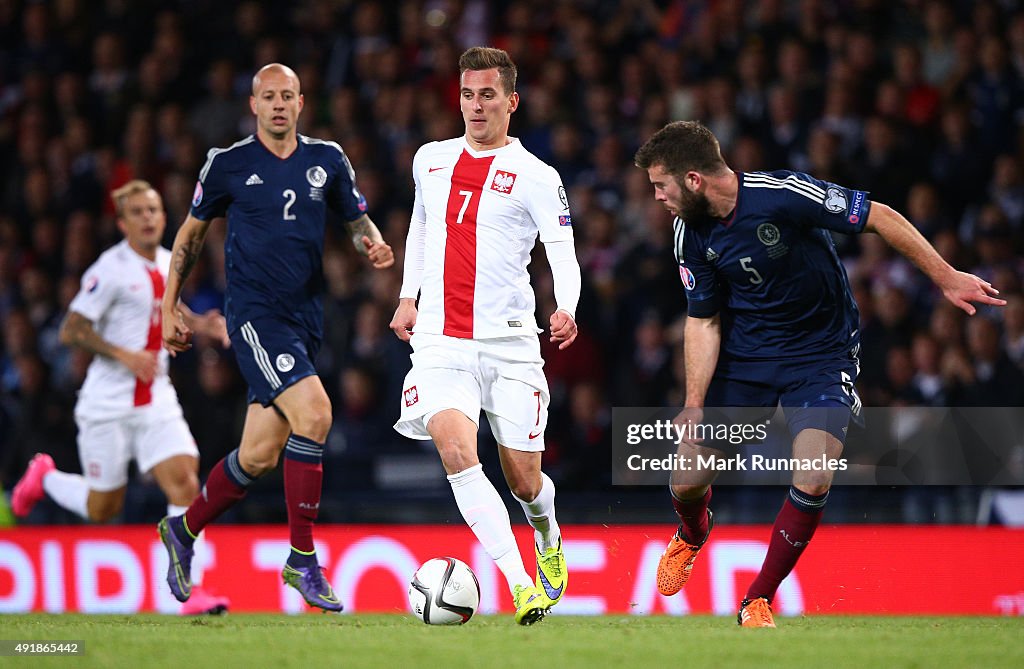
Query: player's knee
{"x": 813, "y": 486}
{"x": 102, "y": 515}
{"x": 525, "y": 490}
{"x": 178, "y": 480}
{"x": 456, "y": 455}
{"x": 184, "y": 489}
{"x": 104, "y": 509}
{"x": 260, "y": 461}
{"x": 314, "y": 422}
{"x": 259, "y": 456}
{"x": 813, "y": 482}
{"x": 687, "y": 491}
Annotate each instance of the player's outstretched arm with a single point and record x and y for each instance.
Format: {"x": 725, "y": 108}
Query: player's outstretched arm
{"x": 369, "y": 242}
{"x": 188, "y": 244}
{"x": 404, "y": 320}
{"x": 77, "y": 330}
{"x": 960, "y": 288}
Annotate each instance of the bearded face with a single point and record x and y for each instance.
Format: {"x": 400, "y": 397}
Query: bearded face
{"x": 677, "y": 199}
{"x": 692, "y": 206}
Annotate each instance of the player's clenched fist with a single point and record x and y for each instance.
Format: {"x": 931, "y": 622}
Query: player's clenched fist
{"x": 143, "y": 364}
{"x": 379, "y": 253}
{"x": 563, "y": 329}
{"x": 404, "y": 319}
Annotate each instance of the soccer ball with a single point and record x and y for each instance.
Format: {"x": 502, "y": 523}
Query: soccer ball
{"x": 444, "y": 591}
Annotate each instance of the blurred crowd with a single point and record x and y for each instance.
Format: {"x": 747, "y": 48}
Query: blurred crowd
{"x": 920, "y": 102}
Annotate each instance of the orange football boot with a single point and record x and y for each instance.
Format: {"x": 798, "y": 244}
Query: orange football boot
{"x": 676, "y": 562}
{"x": 755, "y": 612}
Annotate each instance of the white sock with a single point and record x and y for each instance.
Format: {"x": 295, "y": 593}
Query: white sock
{"x": 486, "y": 515}
{"x": 71, "y": 491}
{"x": 200, "y": 559}
{"x": 541, "y": 515}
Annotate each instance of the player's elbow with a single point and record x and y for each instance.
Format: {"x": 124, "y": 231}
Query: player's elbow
{"x": 879, "y": 216}
{"x": 67, "y": 333}
{"x": 700, "y": 324}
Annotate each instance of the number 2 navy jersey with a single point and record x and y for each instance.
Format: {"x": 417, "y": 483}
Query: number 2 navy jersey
{"x": 772, "y": 271}
{"x": 277, "y": 211}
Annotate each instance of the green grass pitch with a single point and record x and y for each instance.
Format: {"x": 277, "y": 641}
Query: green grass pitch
{"x": 559, "y": 642}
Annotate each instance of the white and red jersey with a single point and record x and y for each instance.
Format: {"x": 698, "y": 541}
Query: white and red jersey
{"x": 121, "y": 294}
{"x": 482, "y": 212}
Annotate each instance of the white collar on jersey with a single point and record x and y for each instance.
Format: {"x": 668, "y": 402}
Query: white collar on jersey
{"x": 512, "y": 141}
{"x": 128, "y": 247}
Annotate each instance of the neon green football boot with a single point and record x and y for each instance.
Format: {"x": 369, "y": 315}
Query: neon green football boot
{"x": 552, "y": 574}
{"x": 531, "y": 604}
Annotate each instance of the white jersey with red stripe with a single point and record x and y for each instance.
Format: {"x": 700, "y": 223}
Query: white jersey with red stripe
{"x": 484, "y": 210}
{"x": 121, "y": 294}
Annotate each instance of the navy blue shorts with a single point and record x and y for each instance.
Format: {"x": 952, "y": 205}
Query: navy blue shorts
{"x": 273, "y": 355}
{"x": 815, "y": 394}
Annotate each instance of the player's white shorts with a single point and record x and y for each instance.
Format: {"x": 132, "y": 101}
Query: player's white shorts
{"x": 107, "y": 446}
{"x": 504, "y": 377}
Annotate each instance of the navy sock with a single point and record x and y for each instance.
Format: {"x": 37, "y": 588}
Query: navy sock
{"x": 301, "y": 560}
{"x": 177, "y": 525}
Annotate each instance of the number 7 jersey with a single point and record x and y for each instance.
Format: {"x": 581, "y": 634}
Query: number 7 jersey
{"x": 483, "y": 212}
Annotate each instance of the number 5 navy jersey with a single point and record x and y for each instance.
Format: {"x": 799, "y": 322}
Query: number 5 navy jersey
{"x": 772, "y": 271}
{"x": 277, "y": 211}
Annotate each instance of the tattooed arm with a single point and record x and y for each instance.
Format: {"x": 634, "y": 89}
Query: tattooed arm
{"x": 188, "y": 244}
{"x": 369, "y": 242}
{"x": 77, "y": 330}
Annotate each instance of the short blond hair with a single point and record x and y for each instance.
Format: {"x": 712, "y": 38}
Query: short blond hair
{"x": 133, "y": 187}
